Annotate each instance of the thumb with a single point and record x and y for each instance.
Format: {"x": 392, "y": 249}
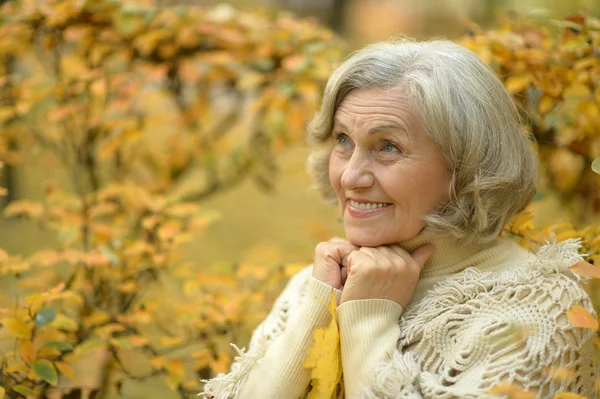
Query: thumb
{"x": 422, "y": 254}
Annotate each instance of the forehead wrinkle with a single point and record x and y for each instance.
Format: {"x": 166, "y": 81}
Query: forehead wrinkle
{"x": 379, "y": 126}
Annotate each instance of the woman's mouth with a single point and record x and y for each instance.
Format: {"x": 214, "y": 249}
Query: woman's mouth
{"x": 361, "y": 209}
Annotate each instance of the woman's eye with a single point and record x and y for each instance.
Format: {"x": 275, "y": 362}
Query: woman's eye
{"x": 389, "y": 147}
{"x": 342, "y": 139}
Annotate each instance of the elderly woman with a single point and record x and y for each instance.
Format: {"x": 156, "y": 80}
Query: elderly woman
{"x": 423, "y": 149}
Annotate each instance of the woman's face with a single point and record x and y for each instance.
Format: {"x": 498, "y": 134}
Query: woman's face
{"x": 386, "y": 171}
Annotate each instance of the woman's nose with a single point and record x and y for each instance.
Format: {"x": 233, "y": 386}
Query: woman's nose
{"x": 357, "y": 173}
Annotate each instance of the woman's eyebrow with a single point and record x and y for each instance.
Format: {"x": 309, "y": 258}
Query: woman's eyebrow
{"x": 337, "y": 122}
{"x": 379, "y": 128}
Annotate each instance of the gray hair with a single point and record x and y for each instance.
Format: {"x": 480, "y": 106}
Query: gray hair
{"x": 465, "y": 109}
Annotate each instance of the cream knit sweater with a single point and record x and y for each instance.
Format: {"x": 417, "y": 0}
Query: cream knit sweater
{"x": 480, "y": 316}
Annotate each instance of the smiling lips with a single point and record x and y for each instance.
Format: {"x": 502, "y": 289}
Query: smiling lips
{"x": 366, "y": 209}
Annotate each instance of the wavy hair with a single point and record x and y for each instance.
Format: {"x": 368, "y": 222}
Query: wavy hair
{"x": 465, "y": 109}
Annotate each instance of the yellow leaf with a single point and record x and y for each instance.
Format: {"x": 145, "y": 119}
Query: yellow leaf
{"x": 586, "y": 269}
{"x": 36, "y": 302}
{"x": 27, "y": 350}
{"x": 324, "y": 357}
{"x": 158, "y": 362}
{"x": 74, "y": 67}
{"x": 127, "y": 287}
{"x": 138, "y": 340}
{"x": 518, "y": 83}
{"x": 568, "y": 395}
{"x": 221, "y": 363}
{"x": 176, "y": 370}
{"x": 47, "y": 351}
{"x": 170, "y": 341}
{"x": 546, "y": 104}
{"x": 580, "y": 317}
{"x": 63, "y": 322}
{"x": 512, "y": 391}
{"x": 559, "y": 373}
{"x": 96, "y": 318}
{"x": 66, "y": 370}
{"x": 16, "y": 327}
{"x": 2, "y": 393}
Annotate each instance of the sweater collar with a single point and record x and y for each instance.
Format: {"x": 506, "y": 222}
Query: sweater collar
{"x": 452, "y": 255}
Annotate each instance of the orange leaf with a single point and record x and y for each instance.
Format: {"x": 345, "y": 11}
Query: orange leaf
{"x": 27, "y": 350}
{"x": 568, "y": 395}
{"x": 512, "y": 391}
{"x": 66, "y": 370}
{"x": 586, "y": 269}
{"x": 24, "y": 208}
{"x": 580, "y": 317}
{"x": 176, "y": 370}
{"x": 221, "y": 363}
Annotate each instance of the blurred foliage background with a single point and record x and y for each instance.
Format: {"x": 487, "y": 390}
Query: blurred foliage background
{"x": 156, "y": 198}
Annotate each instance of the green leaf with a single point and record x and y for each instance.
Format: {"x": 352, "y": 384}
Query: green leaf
{"x": 45, "y": 316}
{"x": 23, "y": 390}
{"x": 89, "y": 345}
{"x": 60, "y": 345}
{"x": 596, "y": 165}
{"x": 122, "y": 342}
{"x": 46, "y": 371}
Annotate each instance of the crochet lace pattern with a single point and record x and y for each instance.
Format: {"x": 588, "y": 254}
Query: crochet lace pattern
{"x": 472, "y": 331}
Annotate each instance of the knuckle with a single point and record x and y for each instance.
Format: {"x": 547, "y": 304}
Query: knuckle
{"x": 322, "y": 247}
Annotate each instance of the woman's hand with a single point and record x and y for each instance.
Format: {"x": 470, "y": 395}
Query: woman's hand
{"x": 387, "y": 272}
{"x": 330, "y": 265}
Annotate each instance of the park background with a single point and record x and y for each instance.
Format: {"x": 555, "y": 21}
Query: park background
{"x": 257, "y": 225}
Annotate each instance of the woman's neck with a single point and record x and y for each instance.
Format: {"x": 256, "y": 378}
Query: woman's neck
{"x": 452, "y": 255}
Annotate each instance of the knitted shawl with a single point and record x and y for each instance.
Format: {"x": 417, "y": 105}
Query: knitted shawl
{"x": 472, "y": 331}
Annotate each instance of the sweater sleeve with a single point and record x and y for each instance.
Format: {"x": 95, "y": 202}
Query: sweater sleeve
{"x": 272, "y": 366}
{"x": 516, "y": 335}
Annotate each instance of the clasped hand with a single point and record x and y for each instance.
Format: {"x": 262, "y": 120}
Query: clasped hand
{"x": 385, "y": 272}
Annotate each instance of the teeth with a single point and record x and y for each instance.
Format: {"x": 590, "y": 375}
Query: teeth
{"x": 368, "y": 205}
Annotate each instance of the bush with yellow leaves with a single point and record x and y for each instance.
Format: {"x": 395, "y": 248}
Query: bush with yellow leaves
{"x": 150, "y": 110}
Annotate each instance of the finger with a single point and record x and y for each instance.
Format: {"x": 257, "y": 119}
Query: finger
{"x": 342, "y": 252}
{"x": 422, "y": 255}
{"x": 401, "y": 252}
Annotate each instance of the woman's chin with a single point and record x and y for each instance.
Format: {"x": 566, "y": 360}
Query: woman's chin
{"x": 362, "y": 238}
{"x": 365, "y": 240}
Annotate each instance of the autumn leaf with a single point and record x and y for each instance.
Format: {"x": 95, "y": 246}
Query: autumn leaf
{"x": 176, "y": 373}
{"x": 24, "y": 208}
{"x": 580, "y": 317}
{"x": 16, "y": 327}
{"x": 22, "y": 389}
{"x": 512, "y": 391}
{"x": 66, "y": 370}
{"x": 586, "y": 269}
{"x": 517, "y": 83}
{"x": 2, "y": 393}
{"x": 568, "y": 395}
{"x": 324, "y": 357}
{"x": 27, "y": 350}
